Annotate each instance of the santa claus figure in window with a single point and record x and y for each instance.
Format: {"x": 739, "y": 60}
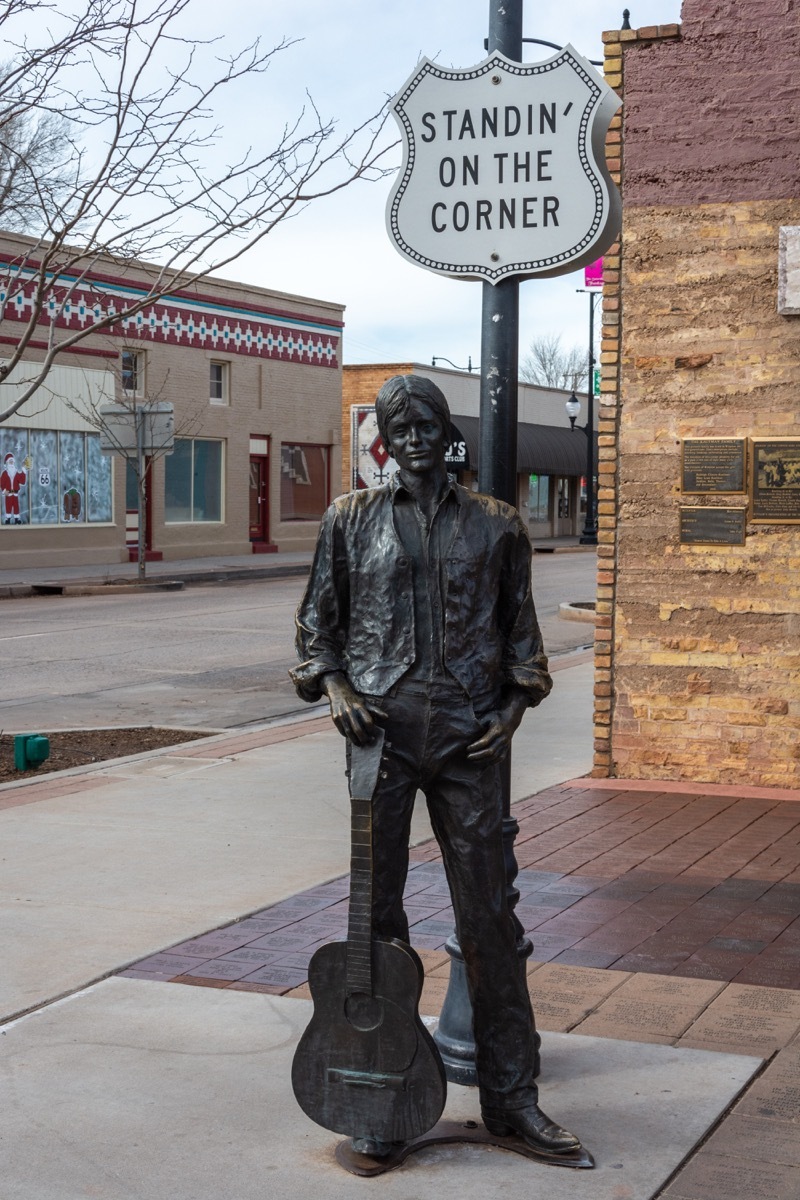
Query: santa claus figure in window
{"x": 12, "y": 479}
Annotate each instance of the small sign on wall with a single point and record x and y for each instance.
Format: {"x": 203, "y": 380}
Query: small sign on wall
{"x": 789, "y": 271}
{"x": 775, "y": 481}
{"x": 713, "y": 465}
{"x": 712, "y": 526}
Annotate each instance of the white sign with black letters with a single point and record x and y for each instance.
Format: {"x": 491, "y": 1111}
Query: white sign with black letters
{"x": 504, "y": 170}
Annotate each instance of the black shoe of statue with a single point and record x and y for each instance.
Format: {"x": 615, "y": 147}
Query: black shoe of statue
{"x": 533, "y": 1126}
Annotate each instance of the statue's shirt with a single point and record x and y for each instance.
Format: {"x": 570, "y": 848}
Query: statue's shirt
{"x": 360, "y": 615}
{"x": 427, "y": 545}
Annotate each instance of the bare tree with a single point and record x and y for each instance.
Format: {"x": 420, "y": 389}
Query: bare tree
{"x": 549, "y": 364}
{"x": 31, "y": 152}
{"x": 128, "y": 92}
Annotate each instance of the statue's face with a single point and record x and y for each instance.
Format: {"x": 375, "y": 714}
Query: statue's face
{"x": 416, "y": 439}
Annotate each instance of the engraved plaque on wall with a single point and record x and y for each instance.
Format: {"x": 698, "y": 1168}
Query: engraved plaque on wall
{"x": 713, "y": 465}
{"x": 775, "y": 481}
{"x": 712, "y": 526}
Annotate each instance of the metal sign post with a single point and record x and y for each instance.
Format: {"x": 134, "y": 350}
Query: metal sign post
{"x": 497, "y": 476}
{"x": 137, "y": 431}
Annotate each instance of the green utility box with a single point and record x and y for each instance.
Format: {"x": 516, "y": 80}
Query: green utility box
{"x": 30, "y": 750}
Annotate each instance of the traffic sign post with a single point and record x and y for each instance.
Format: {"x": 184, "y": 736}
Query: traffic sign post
{"x": 138, "y": 431}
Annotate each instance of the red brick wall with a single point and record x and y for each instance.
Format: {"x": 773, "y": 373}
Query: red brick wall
{"x": 716, "y": 116}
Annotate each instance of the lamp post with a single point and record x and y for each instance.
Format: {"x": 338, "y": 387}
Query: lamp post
{"x": 497, "y": 477}
{"x": 437, "y": 358}
{"x": 573, "y": 406}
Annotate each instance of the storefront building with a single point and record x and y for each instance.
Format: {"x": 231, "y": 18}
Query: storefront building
{"x": 697, "y": 648}
{"x": 551, "y": 456}
{"x": 254, "y": 377}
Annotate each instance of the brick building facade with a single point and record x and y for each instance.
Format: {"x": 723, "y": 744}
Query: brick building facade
{"x": 551, "y": 456}
{"x": 698, "y": 645}
{"x": 255, "y": 380}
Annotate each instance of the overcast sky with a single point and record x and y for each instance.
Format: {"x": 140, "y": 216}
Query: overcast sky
{"x": 352, "y": 54}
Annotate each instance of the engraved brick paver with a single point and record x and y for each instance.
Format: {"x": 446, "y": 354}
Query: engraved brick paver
{"x": 775, "y": 1094}
{"x": 763, "y": 1019}
{"x": 647, "y": 1005}
{"x": 562, "y": 996}
{"x": 757, "y": 1139}
{"x": 712, "y": 1177}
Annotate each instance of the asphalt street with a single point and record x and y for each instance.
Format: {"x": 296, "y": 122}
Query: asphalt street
{"x": 210, "y": 657}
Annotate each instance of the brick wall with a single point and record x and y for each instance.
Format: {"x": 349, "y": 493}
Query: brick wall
{"x": 698, "y": 649}
{"x": 360, "y": 385}
{"x": 714, "y": 117}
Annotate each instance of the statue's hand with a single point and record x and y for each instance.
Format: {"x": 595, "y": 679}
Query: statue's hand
{"x": 494, "y": 744}
{"x": 351, "y": 714}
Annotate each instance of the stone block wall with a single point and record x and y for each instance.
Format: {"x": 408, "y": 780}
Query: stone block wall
{"x": 698, "y": 648}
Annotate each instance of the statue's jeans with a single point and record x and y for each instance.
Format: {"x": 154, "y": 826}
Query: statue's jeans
{"x": 428, "y": 729}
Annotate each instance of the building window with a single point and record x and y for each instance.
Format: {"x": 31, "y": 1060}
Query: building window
{"x": 218, "y": 382}
{"x": 133, "y": 372}
{"x": 53, "y": 478}
{"x": 193, "y": 481}
{"x": 305, "y": 492}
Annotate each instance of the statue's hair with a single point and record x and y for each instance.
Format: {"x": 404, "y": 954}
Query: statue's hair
{"x": 396, "y": 395}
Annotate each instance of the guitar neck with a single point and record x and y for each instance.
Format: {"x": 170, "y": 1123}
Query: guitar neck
{"x": 359, "y": 925}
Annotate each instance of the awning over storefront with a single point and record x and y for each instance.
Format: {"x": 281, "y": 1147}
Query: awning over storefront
{"x": 541, "y": 449}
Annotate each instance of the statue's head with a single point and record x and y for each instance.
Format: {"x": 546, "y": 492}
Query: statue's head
{"x": 397, "y": 394}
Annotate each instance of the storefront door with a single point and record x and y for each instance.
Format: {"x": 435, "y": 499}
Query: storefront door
{"x": 563, "y": 516}
{"x": 259, "y": 494}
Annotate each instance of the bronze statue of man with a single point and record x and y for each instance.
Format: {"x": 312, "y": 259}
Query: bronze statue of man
{"x": 418, "y": 617}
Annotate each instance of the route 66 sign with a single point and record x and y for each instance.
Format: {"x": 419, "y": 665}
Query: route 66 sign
{"x": 504, "y": 168}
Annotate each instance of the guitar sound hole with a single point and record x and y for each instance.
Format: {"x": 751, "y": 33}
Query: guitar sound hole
{"x": 363, "y": 1012}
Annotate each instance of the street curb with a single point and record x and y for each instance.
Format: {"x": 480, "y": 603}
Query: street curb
{"x": 576, "y": 610}
{"x": 174, "y": 584}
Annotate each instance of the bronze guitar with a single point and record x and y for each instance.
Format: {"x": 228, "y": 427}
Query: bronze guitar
{"x": 366, "y": 1066}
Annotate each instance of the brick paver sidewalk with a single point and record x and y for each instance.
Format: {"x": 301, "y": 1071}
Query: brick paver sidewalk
{"x": 672, "y": 883}
{"x": 665, "y": 916}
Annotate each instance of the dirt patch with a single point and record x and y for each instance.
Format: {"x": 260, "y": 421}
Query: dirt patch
{"x": 78, "y": 747}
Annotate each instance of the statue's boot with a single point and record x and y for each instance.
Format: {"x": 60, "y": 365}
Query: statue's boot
{"x": 533, "y": 1126}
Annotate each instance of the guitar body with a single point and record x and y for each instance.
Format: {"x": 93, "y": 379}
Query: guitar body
{"x": 366, "y": 1066}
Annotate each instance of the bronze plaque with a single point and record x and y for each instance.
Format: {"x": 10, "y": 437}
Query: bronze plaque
{"x": 713, "y": 526}
{"x": 775, "y": 481}
{"x": 713, "y": 465}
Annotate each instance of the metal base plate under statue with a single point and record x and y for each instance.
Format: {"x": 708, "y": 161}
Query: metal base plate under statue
{"x": 448, "y": 1133}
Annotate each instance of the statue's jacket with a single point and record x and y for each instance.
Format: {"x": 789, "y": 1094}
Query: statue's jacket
{"x": 357, "y": 614}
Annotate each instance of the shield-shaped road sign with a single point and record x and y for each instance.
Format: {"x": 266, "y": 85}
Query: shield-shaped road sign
{"x": 504, "y": 172}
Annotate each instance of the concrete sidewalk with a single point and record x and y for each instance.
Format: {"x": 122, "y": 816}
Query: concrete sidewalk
{"x": 122, "y": 881}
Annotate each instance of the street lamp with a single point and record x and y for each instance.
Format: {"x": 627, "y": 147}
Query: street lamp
{"x": 573, "y": 407}
{"x": 440, "y": 358}
{"x": 589, "y": 535}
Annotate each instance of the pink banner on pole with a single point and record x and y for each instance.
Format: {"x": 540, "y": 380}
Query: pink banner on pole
{"x": 593, "y": 274}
